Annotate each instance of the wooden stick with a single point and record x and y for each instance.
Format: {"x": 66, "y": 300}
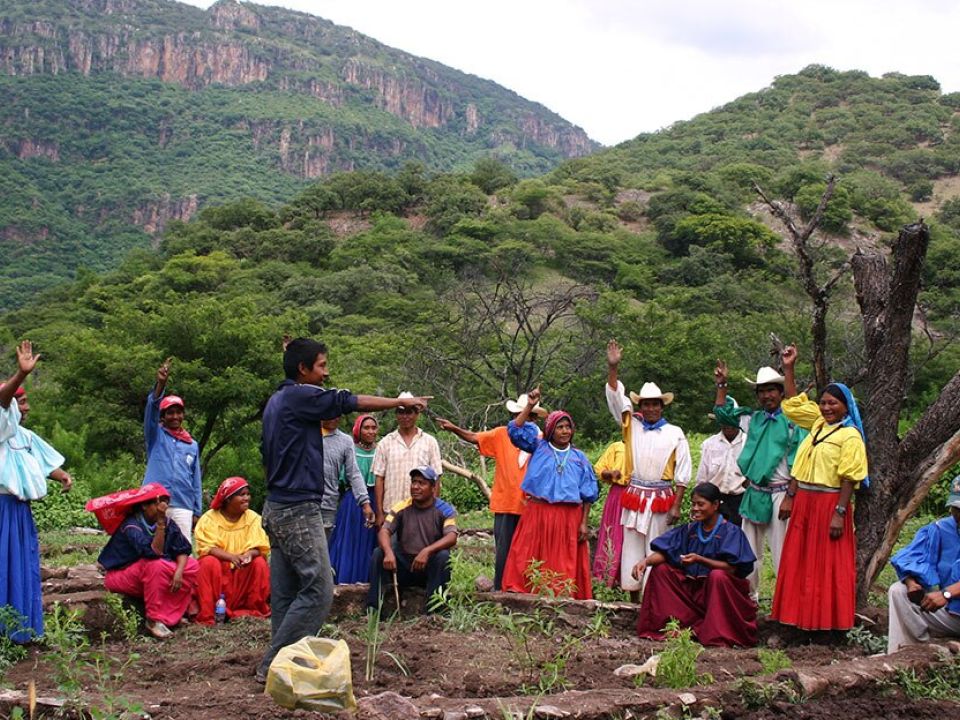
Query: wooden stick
{"x": 463, "y": 472}
{"x": 396, "y": 590}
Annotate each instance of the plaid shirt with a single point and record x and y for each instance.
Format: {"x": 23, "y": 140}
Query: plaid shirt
{"x": 394, "y": 460}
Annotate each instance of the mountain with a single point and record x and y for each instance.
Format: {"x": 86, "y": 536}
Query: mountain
{"x": 120, "y": 115}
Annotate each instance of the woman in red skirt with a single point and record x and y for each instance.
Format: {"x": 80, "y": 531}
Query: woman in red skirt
{"x": 549, "y": 552}
{"x": 698, "y": 576}
{"x": 816, "y": 583}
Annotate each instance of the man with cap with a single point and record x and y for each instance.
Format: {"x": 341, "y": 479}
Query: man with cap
{"x": 718, "y": 459}
{"x": 400, "y": 452}
{"x": 173, "y": 456}
{"x": 925, "y": 601}
{"x": 506, "y": 498}
{"x": 415, "y": 541}
{"x": 657, "y": 460}
{"x": 765, "y": 459}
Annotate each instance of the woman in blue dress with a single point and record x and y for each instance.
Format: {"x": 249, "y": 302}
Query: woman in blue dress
{"x": 353, "y": 540}
{"x": 26, "y": 461}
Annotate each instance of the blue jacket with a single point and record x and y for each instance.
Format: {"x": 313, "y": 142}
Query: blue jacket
{"x": 170, "y": 462}
{"x": 557, "y": 477}
{"x": 292, "y": 445}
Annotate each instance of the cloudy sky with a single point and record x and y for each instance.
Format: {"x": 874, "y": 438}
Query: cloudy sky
{"x": 621, "y": 67}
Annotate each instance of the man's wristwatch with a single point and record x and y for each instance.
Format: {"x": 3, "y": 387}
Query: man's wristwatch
{"x": 840, "y": 510}
{"x": 947, "y": 595}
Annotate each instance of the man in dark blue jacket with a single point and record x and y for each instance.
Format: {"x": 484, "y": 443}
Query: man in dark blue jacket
{"x": 301, "y": 581}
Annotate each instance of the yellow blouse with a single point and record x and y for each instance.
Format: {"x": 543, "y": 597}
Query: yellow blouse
{"x": 613, "y": 459}
{"x": 830, "y": 454}
{"x": 213, "y": 530}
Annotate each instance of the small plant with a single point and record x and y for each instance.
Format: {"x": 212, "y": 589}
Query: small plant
{"x": 773, "y": 660}
{"x": 373, "y": 636}
{"x": 755, "y": 695}
{"x": 939, "y": 683}
{"x": 126, "y": 616}
{"x": 548, "y": 583}
{"x": 866, "y": 640}
{"x": 678, "y": 660}
{"x": 66, "y": 638}
{"x": 12, "y": 623}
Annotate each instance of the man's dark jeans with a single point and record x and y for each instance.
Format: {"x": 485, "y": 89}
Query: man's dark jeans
{"x": 301, "y": 581}
{"x": 436, "y": 575}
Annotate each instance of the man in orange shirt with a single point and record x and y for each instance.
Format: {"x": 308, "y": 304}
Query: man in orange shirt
{"x": 506, "y": 499}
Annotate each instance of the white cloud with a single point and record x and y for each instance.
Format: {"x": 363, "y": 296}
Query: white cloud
{"x": 621, "y": 67}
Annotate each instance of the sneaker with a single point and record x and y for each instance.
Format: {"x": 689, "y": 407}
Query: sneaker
{"x": 159, "y": 630}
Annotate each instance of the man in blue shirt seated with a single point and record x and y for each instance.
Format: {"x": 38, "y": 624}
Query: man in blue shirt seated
{"x": 415, "y": 541}
{"x": 926, "y": 601}
{"x": 301, "y": 581}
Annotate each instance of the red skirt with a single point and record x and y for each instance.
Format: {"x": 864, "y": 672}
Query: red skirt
{"x": 817, "y": 581}
{"x": 717, "y": 607}
{"x": 548, "y": 533}
{"x": 246, "y": 589}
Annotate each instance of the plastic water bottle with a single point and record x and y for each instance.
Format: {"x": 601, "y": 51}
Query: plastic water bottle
{"x": 220, "y": 610}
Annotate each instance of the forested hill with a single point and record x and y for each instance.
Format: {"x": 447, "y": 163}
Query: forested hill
{"x": 119, "y": 115}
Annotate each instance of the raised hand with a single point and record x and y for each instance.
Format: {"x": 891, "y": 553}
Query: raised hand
{"x": 26, "y": 360}
{"x": 789, "y": 355}
{"x": 533, "y": 397}
{"x": 720, "y": 373}
{"x": 614, "y": 353}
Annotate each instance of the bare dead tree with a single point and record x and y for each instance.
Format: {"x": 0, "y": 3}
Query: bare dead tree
{"x": 902, "y": 470}
{"x": 819, "y": 293}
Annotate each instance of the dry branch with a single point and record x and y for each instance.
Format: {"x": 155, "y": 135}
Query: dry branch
{"x": 463, "y": 472}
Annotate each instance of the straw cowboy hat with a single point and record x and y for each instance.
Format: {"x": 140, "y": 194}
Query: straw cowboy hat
{"x": 766, "y": 376}
{"x": 521, "y": 403}
{"x": 650, "y": 391}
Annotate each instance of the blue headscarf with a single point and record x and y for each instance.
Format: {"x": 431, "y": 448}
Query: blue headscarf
{"x": 852, "y": 418}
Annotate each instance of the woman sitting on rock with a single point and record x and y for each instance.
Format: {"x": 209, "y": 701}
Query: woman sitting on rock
{"x": 233, "y": 549}
{"x": 698, "y": 576}
{"x": 147, "y": 557}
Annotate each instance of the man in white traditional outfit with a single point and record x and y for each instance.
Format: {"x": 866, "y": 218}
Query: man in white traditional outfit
{"x": 657, "y": 459}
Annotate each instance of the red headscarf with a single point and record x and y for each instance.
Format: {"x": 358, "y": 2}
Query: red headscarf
{"x": 113, "y": 508}
{"x": 551, "y": 424}
{"x": 230, "y": 486}
{"x": 358, "y": 423}
{"x": 18, "y": 393}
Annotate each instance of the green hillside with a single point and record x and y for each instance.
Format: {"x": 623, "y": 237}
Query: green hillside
{"x": 475, "y": 285}
{"x": 117, "y": 116}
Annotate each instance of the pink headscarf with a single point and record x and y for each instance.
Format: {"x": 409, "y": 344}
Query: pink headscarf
{"x": 358, "y": 423}
{"x": 551, "y": 424}
{"x": 112, "y": 509}
{"x": 230, "y": 486}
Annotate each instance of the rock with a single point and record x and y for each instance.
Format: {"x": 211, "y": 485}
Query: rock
{"x": 387, "y": 706}
{"x": 774, "y": 642}
{"x": 687, "y": 698}
{"x": 474, "y": 711}
{"x": 648, "y": 668}
{"x": 454, "y": 715}
{"x": 432, "y": 712}
{"x": 549, "y": 711}
{"x": 483, "y": 584}
{"x": 953, "y": 646}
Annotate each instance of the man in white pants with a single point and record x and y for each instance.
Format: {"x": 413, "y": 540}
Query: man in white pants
{"x": 926, "y": 600}
{"x": 657, "y": 459}
{"x": 765, "y": 462}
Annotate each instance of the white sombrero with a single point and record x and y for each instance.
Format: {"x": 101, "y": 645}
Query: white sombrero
{"x": 650, "y": 391}
{"x": 521, "y": 402}
{"x": 766, "y": 376}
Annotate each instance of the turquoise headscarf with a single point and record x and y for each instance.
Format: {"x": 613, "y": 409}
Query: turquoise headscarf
{"x": 852, "y": 418}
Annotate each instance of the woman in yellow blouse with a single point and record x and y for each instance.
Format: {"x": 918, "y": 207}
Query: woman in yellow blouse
{"x": 816, "y": 584}
{"x": 233, "y": 548}
{"x": 606, "y": 560}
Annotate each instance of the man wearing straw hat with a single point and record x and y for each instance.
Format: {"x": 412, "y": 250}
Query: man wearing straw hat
{"x": 765, "y": 461}
{"x": 400, "y": 452}
{"x": 657, "y": 459}
{"x": 506, "y": 498}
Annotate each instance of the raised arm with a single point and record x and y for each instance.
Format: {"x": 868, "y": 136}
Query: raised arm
{"x": 163, "y": 374}
{"x": 374, "y": 402}
{"x": 789, "y": 379}
{"x": 720, "y": 377}
{"x": 26, "y": 362}
{"x": 466, "y": 435}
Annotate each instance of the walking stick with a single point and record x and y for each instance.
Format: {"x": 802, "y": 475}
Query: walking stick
{"x": 396, "y": 590}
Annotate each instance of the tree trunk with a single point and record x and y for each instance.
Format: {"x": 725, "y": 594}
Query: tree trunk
{"x": 901, "y": 471}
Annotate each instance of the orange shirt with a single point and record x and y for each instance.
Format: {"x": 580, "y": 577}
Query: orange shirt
{"x": 511, "y": 466}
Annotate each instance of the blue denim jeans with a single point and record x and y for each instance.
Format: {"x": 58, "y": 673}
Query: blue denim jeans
{"x": 301, "y": 581}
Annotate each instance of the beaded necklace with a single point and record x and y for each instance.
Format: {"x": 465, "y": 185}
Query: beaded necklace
{"x": 560, "y": 457}
{"x": 712, "y": 533}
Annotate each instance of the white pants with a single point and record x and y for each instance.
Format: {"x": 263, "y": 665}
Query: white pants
{"x": 773, "y": 533}
{"x": 184, "y": 520}
{"x": 636, "y": 546}
{"x": 909, "y": 625}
